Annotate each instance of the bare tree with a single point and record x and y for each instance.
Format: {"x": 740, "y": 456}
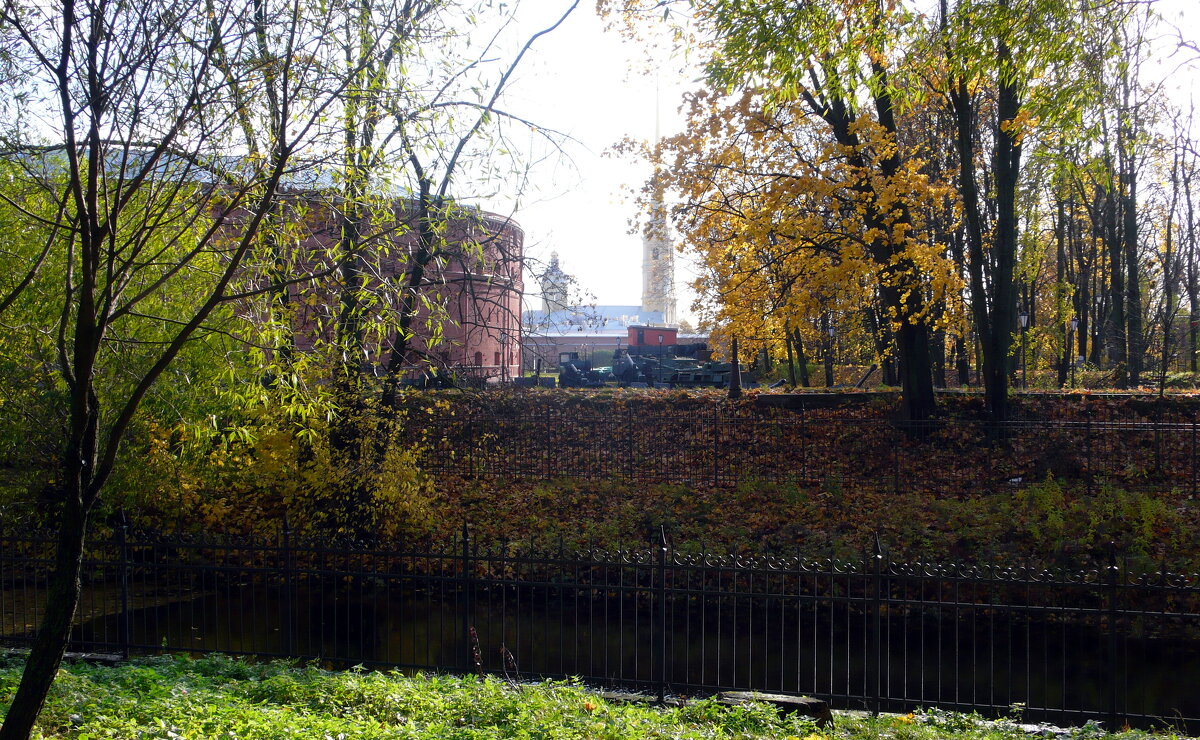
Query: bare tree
{"x": 157, "y": 214}
{"x": 428, "y": 138}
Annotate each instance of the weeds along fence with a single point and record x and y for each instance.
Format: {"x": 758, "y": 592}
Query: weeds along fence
{"x": 1099, "y": 642}
{"x": 806, "y": 451}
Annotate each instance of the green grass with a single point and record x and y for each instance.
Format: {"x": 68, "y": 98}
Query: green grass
{"x": 229, "y": 699}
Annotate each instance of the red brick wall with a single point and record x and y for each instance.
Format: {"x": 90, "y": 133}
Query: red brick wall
{"x": 479, "y": 287}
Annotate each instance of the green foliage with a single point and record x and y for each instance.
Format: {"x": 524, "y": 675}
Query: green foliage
{"x": 227, "y": 699}
{"x": 1053, "y": 520}
{"x": 267, "y": 466}
{"x": 1042, "y": 508}
{"x": 34, "y": 390}
{"x": 222, "y": 698}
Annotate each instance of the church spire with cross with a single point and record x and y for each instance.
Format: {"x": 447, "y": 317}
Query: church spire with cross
{"x": 658, "y": 256}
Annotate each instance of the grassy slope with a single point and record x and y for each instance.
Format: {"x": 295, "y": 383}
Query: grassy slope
{"x": 1046, "y": 522}
{"x": 836, "y": 501}
{"x": 228, "y": 699}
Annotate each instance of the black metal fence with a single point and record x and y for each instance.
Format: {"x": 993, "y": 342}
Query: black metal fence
{"x": 809, "y": 451}
{"x": 1102, "y": 642}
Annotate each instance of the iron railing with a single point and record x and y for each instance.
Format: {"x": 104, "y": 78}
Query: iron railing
{"x": 813, "y": 452}
{"x": 1100, "y": 642}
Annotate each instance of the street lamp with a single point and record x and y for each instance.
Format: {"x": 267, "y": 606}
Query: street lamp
{"x": 829, "y": 379}
{"x": 503, "y": 357}
{"x": 1024, "y": 319}
{"x": 660, "y": 356}
{"x": 1071, "y": 346}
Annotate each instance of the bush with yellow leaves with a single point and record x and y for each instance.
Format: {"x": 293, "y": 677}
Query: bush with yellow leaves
{"x": 326, "y": 480}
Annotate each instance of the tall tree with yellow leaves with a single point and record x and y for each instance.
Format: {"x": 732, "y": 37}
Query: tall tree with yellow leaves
{"x": 1005, "y": 73}
{"x": 839, "y": 62}
{"x": 773, "y": 212}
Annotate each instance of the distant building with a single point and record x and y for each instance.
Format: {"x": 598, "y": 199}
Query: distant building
{"x": 555, "y": 284}
{"x": 480, "y": 288}
{"x": 583, "y": 330}
{"x": 658, "y": 265}
{"x": 556, "y": 327}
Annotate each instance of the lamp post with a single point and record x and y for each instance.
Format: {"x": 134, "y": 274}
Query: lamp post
{"x": 504, "y": 357}
{"x": 660, "y": 356}
{"x": 1024, "y": 319}
{"x": 829, "y": 379}
{"x": 1071, "y": 346}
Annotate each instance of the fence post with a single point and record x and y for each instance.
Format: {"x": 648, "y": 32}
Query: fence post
{"x": 716, "y": 447}
{"x": 803, "y": 443}
{"x": 468, "y": 653}
{"x": 1195, "y": 473}
{"x": 873, "y": 662}
{"x": 662, "y": 615}
{"x": 1158, "y": 440}
{"x": 289, "y": 589}
{"x": 545, "y": 438}
{"x": 629, "y": 476}
{"x": 1088, "y": 448}
{"x": 895, "y": 470}
{"x": 1112, "y": 573}
{"x": 470, "y": 435}
{"x": 125, "y": 565}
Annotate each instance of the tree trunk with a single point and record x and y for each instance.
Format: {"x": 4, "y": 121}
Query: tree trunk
{"x": 791, "y": 356}
{"x": 826, "y": 326}
{"x": 1006, "y": 168}
{"x": 431, "y": 214}
{"x": 991, "y": 275}
{"x": 1097, "y": 337}
{"x": 1133, "y": 285}
{"x": 1169, "y": 276}
{"x": 353, "y": 282}
{"x": 1082, "y": 299}
{"x": 883, "y": 345}
{"x": 962, "y": 362}
{"x": 801, "y": 358}
{"x": 938, "y": 361}
{"x": 916, "y": 382}
{"x": 62, "y": 600}
{"x": 1127, "y": 231}
{"x": 1060, "y": 230}
{"x": 1193, "y": 275}
{"x": 962, "y": 357}
{"x": 1194, "y": 333}
{"x": 1192, "y": 267}
{"x": 1115, "y": 328}
{"x": 1133, "y": 294}
{"x": 735, "y": 372}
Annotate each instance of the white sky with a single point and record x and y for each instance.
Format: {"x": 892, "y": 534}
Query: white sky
{"x": 590, "y": 84}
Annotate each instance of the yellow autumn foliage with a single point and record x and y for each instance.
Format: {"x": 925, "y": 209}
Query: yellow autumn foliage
{"x": 250, "y": 481}
{"x": 787, "y": 230}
